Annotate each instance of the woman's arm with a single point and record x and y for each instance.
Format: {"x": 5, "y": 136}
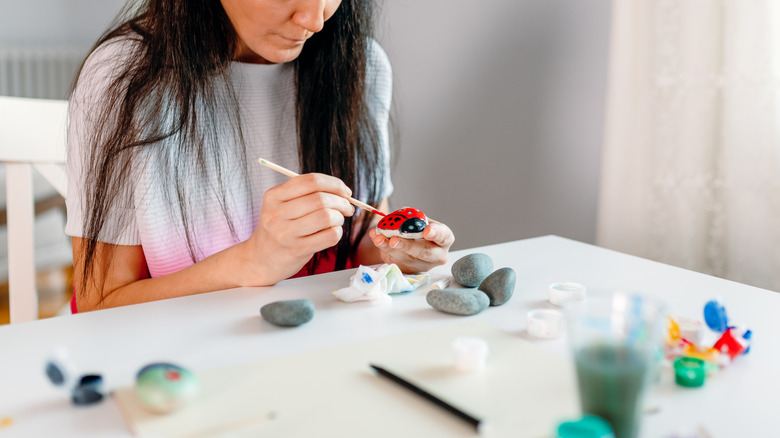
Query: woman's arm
{"x": 120, "y": 272}
{"x": 300, "y": 217}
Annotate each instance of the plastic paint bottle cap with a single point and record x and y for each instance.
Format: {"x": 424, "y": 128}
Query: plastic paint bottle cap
{"x": 747, "y": 336}
{"x": 589, "y": 426}
{"x": 691, "y": 330}
{"x": 560, "y": 293}
{"x": 715, "y": 316}
{"x": 470, "y": 353}
{"x": 544, "y": 323}
{"x": 88, "y": 391}
{"x": 689, "y": 372}
{"x": 59, "y": 368}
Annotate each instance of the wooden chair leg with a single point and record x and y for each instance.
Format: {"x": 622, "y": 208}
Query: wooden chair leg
{"x": 22, "y": 295}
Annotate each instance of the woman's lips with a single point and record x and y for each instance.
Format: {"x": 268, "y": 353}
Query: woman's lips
{"x": 293, "y": 41}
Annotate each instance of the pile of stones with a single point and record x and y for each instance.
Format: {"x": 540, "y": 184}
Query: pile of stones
{"x": 483, "y": 287}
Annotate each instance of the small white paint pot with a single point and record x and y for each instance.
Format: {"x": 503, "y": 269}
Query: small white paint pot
{"x": 470, "y": 353}
{"x": 544, "y": 323}
{"x": 560, "y": 293}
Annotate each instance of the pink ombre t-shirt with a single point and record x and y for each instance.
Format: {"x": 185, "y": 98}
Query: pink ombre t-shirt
{"x": 266, "y": 98}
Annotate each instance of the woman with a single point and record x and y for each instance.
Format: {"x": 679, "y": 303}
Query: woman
{"x": 168, "y": 115}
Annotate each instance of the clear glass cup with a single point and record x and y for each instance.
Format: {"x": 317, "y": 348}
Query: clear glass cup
{"x": 615, "y": 337}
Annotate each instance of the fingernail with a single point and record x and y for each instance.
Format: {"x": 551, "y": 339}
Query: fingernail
{"x": 431, "y": 234}
{"x": 380, "y": 242}
{"x": 396, "y": 244}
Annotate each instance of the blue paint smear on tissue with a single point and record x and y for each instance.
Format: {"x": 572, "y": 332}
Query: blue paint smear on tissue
{"x": 367, "y": 278}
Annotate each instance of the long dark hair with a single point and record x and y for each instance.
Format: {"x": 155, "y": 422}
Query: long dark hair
{"x": 166, "y": 90}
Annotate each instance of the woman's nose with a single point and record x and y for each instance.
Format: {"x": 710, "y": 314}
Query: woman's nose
{"x": 310, "y": 15}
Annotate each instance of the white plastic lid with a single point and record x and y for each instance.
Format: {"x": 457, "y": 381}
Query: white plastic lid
{"x": 470, "y": 353}
{"x": 544, "y": 323}
{"x": 560, "y": 293}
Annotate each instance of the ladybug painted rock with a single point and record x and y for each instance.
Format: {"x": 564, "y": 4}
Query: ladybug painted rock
{"x": 407, "y": 222}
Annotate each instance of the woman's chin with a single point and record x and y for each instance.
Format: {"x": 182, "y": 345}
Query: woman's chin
{"x": 279, "y": 56}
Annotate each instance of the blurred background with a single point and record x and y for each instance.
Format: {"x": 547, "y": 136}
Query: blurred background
{"x": 500, "y": 111}
{"x": 42, "y": 43}
{"x": 521, "y": 118}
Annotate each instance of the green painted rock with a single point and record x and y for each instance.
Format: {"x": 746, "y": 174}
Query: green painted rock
{"x": 165, "y": 387}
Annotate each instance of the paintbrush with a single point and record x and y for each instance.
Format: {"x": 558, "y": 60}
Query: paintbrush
{"x": 291, "y": 174}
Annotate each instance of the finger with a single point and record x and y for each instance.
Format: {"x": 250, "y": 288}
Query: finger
{"x": 379, "y": 240}
{"x": 317, "y": 221}
{"x": 305, "y": 184}
{"x": 404, "y": 260}
{"x": 322, "y": 239}
{"x": 312, "y": 202}
{"x": 439, "y": 234}
{"x": 421, "y": 250}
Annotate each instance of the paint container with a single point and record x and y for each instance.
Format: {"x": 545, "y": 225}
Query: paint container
{"x": 442, "y": 283}
{"x": 544, "y": 323}
{"x": 560, "y": 293}
{"x": 470, "y": 353}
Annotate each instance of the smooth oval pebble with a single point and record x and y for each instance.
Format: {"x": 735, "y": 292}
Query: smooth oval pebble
{"x": 472, "y": 269}
{"x": 458, "y": 301}
{"x": 165, "y": 387}
{"x": 289, "y": 313}
{"x": 499, "y": 286}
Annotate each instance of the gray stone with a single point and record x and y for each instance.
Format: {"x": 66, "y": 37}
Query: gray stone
{"x": 458, "y": 301}
{"x": 290, "y": 313}
{"x": 470, "y": 270}
{"x": 499, "y": 286}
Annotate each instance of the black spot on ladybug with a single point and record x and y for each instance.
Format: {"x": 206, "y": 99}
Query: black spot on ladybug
{"x": 413, "y": 225}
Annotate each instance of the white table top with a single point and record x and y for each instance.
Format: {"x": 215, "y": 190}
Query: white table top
{"x": 225, "y": 328}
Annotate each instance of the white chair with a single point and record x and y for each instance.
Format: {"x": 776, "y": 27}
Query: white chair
{"x": 32, "y": 135}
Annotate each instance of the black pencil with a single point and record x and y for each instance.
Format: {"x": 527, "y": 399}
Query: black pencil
{"x": 474, "y": 421}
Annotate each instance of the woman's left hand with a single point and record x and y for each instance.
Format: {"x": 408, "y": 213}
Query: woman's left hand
{"x": 416, "y": 255}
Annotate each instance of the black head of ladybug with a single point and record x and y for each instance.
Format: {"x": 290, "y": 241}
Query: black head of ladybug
{"x": 413, "y": 225}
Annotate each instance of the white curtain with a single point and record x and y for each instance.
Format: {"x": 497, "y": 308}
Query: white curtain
{"x": 691, "y": 160}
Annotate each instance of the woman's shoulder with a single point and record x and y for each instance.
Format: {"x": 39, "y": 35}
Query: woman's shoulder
{"x": 118, "y": 47}
{"x": 106, "y": 61}
{"x": 377, "y": 58}
{"x": 379, "y": 73}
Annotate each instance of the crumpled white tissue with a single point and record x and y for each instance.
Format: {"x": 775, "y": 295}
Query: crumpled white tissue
{"x": 377, "y": 284}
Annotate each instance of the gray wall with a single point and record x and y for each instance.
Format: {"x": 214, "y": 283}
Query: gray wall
{"x": 71, "y": 25}
{"x": 499, "y": 105}
{"x": 500, "y": 109}
{"x": 63, "y": 22}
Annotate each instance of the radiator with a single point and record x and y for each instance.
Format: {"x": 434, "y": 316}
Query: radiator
{"x": 42, "y": 72}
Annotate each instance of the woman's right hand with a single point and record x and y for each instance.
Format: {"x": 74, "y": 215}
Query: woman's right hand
{"x": 299, "y": 218}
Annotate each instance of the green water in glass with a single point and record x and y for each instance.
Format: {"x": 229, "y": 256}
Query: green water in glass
{"x": 611, "y": 381}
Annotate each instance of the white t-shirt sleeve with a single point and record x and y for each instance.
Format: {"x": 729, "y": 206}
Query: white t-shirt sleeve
{"x": 380, "y": 91}
{"x": 99, "y": 71}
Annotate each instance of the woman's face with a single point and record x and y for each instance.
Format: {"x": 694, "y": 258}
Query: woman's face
{"x": 274, "y": 31}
